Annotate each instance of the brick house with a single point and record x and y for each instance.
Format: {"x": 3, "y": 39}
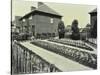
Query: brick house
{"x": 41, "y": 22}
{"x": 93, "y": 21}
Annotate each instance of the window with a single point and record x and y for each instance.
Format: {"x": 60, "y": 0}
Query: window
{"x": 23, "y": 20}
{"x": 51, "y": 20}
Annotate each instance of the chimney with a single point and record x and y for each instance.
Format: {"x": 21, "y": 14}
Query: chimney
{"x": 40, "y": 3}
{"x": 33, "y": 8}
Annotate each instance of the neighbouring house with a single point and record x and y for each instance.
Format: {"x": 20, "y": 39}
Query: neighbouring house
{"x": 41, "y": 22}
{"x": 93, "y": 21}
{"x": 13, "y": 27}
{"x": 68, "y": 31}
{"x": 16, "y": 25}
{"x": 14, "y": 30}
{"x": 89, "y": 33}
{"x": 85, "y": 32}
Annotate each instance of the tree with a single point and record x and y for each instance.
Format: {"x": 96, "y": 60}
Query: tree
{"x": 75, "y": 30}
{"x": 61, "y": 29}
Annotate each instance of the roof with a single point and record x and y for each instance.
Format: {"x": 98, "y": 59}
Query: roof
{"x": 93, "y": 11}
{"x": 47, "y": 9}
{"x": 68, "y": 26}
{"x": 81, "y": 29}
{"x": 86, "y": 29}
{"x": 88, "y": 25}
{"x": 44, "y": 9}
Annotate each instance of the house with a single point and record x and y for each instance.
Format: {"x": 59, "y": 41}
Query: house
{"x": 93, "y": 21}
{"x": 68, "y": 31}
{"x": 12, "y": 26}
{"x": 14, "y": 30}
{"x": 41, "y": 22}
{"x": 85, "y": 32}
{"x": 89, "y": 33}
{"x": 15, "y": 25}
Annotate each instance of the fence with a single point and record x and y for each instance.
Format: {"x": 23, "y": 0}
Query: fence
{"x": 24, "y": 61}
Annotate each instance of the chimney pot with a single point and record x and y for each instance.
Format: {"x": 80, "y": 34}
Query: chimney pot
{"x": 33, "y": 8}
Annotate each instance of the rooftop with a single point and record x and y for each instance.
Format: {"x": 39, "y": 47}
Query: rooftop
{"x": 43, "y": 8}
{"x": 93, "y": 11}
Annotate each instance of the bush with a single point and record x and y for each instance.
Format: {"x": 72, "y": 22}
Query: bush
{"x": 75, "y": 30}
{"x": 70, "y": 42}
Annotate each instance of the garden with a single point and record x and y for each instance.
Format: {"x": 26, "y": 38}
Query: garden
{"x": 82, "y": 57}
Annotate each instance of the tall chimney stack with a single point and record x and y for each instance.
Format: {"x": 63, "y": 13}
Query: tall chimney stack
{"x": 40, "y": 3}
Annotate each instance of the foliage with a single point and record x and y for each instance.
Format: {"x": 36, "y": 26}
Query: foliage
{"x": 61, "y": 29}
{"x": 75, "y": 30}
{"x": 79, "y": 56}
{"x": 74, "y": 43}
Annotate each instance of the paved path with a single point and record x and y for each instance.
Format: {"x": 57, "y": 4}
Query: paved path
{"x": 59, "y": 61}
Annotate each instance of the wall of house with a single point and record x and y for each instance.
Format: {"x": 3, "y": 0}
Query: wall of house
{"x": 40, "y": 24}
{"x": 94, "y": 25}
{"x": 93, "y": 19}
{"x": 17, "y": 22}
{"x": 45, "y": 24}
{"x": 56, "y": 21}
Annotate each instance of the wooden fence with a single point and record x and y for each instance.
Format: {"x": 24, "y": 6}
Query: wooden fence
{"x": 24, "y": 61}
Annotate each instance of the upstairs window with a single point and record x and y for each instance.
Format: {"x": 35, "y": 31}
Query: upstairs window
{"x": 23, "y": 20}
{"x": 51, "y": 20}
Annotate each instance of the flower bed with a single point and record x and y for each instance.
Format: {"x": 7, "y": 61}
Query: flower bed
{"x": 81, "y": 57}
{"x": 79, "y": 44}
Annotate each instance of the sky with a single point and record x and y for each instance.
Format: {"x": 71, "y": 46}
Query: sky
{"x": 68, "y": 11}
